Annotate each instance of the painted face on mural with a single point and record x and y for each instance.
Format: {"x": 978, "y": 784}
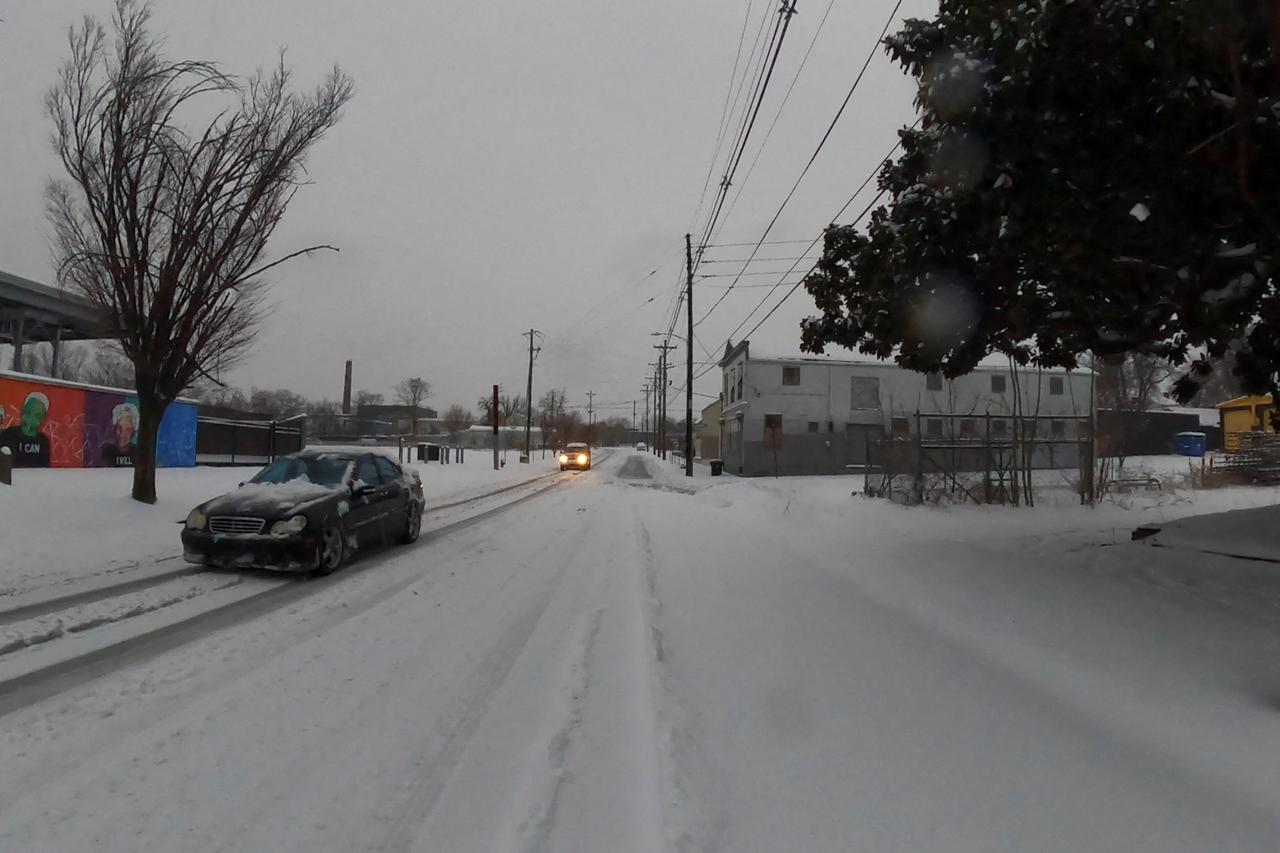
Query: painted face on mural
{"x": 125, "y": 419}
{"x": 34, "y": 412}
{"x": 29, "y": 446}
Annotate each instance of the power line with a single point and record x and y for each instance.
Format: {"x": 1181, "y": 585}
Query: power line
{"x": 796, "y": 286}
{"x": 745, "y": 260}
{"x": 741, "y": 274}
{"x": 724, "y": 110}
{"x": 781, "y": 26}
{"x": 765, "y": 243}
{"x": 812, "y": 243}
{"x": 759, "y": 151}
{"x": 865, "y": 182}
{"x": 746, "y": 286}
{"x": 818, "y": 150}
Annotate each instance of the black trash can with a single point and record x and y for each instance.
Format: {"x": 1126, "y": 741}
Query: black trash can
{"x": 717, "y": 467}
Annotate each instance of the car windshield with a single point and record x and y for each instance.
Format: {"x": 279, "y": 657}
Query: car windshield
{"x": 321, "y": 470}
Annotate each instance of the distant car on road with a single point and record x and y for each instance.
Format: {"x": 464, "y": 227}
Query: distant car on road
{"x": 307, "y": 512}
{"x": 640, "y": 445}
{"x": 575, "y": 456}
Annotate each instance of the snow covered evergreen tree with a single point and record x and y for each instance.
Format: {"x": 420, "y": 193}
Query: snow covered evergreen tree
{"x": 1086, "y": 177}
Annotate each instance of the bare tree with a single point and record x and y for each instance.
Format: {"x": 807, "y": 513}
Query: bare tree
{"x": 1134, "y": 382}
{"x": 456, "y": 419}
{"x": 110, "y": 367}
{"x": 411, "y": 392}
{"x": 165, "y": 229}
{"x": 551, "y": 405}
{"x": 508, "y": 408}
{"x": 72, "y": 361}
{"x": 279, "y": 403}
{"x": 1221, "y": 384}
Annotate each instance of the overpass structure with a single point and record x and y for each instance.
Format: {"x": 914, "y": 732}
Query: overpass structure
{"x": 31, "y": 312}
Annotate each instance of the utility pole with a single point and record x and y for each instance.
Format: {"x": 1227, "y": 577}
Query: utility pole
{"x": 688, "y": 344}
{"x": 528, "y": 398}
{"x": 591, "y": 399}
{"x": 494, "y": 418}
{"x": 653, "y": 424}
{"x": 662, "y": 398}
{"x": 645, "y": 425}
{"x": 633, "y": 416}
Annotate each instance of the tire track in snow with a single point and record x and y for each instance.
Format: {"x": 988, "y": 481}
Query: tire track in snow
{"x": 29, "y": 688}
{"x": 84, "y": 618}
{"x": 455, "y": 729}
{"x": 47, "y": 774}
{"x": 65, "y": 602}
{"x": 689, "y": 826}
{"x": 537, "y": 827}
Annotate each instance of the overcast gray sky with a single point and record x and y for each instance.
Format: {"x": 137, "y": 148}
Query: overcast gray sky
{"x": 505, "y": 164}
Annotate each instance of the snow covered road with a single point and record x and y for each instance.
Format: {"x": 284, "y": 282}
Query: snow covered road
{"x": 630, "y": 661}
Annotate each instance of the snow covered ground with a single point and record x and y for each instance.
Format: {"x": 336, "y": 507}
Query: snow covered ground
{"x": 635, "y": 661}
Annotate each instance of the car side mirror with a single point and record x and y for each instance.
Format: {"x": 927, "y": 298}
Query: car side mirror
{"x": 361, "y": 490}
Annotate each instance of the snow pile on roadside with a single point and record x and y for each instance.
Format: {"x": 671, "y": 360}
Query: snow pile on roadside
{"x": 69, "y": 525}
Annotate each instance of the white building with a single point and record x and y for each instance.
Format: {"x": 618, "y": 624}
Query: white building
{"x": 823, "y": 416}
{"x": 509, "y": 437}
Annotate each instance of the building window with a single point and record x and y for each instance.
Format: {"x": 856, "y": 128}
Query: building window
{"x": 790, "y": 376}
{"x": 999, "y": 427}
{"x": 968, "y": 427}
{"x": 864, "y": 392}
{"x": 933, "y": 381}
{"x": 741, "y": 371}
{"x": 1056, "y": 386}
{"x": 831, "y": 426}
{"x": 997, "y": 384}
{"x": 1058, "y": 429}
{"x": 773, "y": 429}
{"x": 933, "y": 427}
{"x": 901, "y": 427}
{"x": 813, "y": 426}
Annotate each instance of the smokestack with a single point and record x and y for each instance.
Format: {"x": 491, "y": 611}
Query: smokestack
{"x": 346, "y": 391}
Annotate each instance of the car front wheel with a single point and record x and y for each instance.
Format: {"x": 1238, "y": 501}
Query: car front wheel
{"x": 333, "y": 549}
{"x": 412, "y": 526}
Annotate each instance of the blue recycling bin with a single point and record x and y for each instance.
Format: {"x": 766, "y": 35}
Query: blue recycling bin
{"x": 1190, "y": 444}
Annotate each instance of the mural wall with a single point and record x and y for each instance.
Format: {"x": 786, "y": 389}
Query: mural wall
{"x": 64, "y": 425}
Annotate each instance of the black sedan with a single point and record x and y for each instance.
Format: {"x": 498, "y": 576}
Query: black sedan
{"x": 307, "y": 512}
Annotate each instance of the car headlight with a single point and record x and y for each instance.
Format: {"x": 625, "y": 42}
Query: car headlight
{"x": 287, "y": 528}
{"x": 564, "y": 458}
{"x": 582, "y": 459}
{"x": 196, "y": 520}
